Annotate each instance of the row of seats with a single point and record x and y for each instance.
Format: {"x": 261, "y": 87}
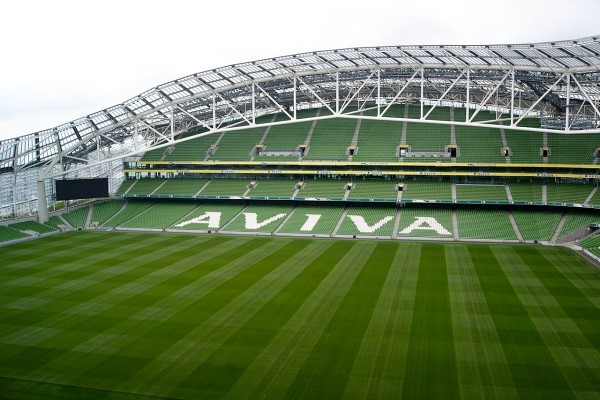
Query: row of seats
{"x": 377, "y": 140}
{"x": 411, "y": 222}
{"x": 364, "y": 189}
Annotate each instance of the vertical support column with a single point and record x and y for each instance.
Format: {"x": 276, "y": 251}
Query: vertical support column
{"x": 214, "y": 105}
{"x": 512, "y": 98}
{"x": 422, "y": 90}
{"x": 295, "y": 100}
{"x": 379, "y": 92}
{"x": 468, "y": 108}
{"x": 14, "y": 193}
{"x": 568, "y": 105}
{"x": 172, "y": 124}
{"x": 42, "y": 202}
{"x": 253, "y": 103}
{"x": 337, "y": 92}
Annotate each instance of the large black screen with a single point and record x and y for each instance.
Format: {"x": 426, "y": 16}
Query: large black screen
{"x": 70, "y": 189}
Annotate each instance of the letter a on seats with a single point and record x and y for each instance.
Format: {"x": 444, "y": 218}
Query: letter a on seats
{"x": 212, "y": 218}
{"x": 426, "y": 224}
{"x": 251, "y": 220}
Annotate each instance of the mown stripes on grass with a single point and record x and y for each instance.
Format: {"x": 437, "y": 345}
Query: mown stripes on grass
{"x": 325, "y": 371}
{"x": 136, "y": 315}
{"x": 534, "y": 370}
{"x": 430, "y": 370}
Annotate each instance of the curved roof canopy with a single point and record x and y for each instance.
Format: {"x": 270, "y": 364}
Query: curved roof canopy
{"x": 558, "y": 81}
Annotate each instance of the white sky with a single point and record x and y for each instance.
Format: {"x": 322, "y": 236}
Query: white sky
{"x": 61, "y": 60}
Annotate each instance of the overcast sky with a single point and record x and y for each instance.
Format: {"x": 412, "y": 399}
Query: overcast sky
{"x": 61, "y": 60}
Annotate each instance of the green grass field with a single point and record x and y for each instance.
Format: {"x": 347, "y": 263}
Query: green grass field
{"x": 137, "y": 316}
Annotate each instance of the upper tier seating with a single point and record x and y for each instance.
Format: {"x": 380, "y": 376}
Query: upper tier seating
{"x": 182, "y": 187}
{"x": 322, "y": 188}
{"x": 427, "y": 190}
{"x": 567, "y": 192}
{"x": 473, "y": 192}
{"x": 330, "y": 139}
{"x": 274, "y": 188}
{"x": 225, "y": 187}
{"x": 374, "y": 189}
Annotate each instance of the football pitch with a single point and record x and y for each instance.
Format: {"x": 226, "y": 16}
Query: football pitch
{"x": 111, "y": 315}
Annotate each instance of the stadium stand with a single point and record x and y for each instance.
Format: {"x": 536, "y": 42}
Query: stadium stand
{"x": 477, "y": 192}
{"x": 477, "y": 145}
{"x": 125, "y": 185}
{"x": 525, "y": 146}
{"x": 145, "y": 186}
{"x": 208, "y": 217}
{"x": 484, "y": 224}
{"x": 225, "y": 187}
{"x": 274, "y": 188}
{"x": 238, "y": 145}
{"x": 428, "y": 141}
{"x": 7, "y": 233}
{"x": 131, "y": 209}
{"x": 330, "y": 139}
{"x": 592, "y": 244}
{"x": 572, "y": 149}
{"x": 417, "y": 222}
{"x": 379, "y": 140}
{"x": 259, "y": 218}
{"x": 192, "y": 150}
{"x": 427, "y": 190}
{"x": 77, "y": 218}
{"x": 567, "y": 192}
{"x": 282, "y": 141}
{"x": 103, "y": 211}
{"x": 537, "y": 224}
{"x": 595, "y": 200}
{"x": 160, "y": 216}
{"x": 331, "y": 188}
{"x": 374, "y": 189}
{"x": 54, "y": 222}
{"x": 33, "y": 226}
{"x": 181, "y": 187}
{"x": 578, "y": 219}
{"x": 526, "y": 191}
{"x": 301, "y": 221}
{"x": 368, "y": 221}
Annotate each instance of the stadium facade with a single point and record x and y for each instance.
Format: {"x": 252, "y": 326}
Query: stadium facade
{"x": 557, "y": 83}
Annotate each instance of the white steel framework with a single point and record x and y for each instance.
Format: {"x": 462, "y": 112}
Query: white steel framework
{"x": 558, "y": 82}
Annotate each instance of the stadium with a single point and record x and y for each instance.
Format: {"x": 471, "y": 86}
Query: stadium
{"x": 381, "y": 222}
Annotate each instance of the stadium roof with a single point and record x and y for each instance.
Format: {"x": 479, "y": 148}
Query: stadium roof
{"x": 562, "y": 76}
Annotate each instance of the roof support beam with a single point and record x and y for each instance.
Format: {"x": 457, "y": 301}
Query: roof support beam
{"x": 540, "y": 99}
{"x": 316, "y": 95}
{"x": 488, "y": 97}
{"x": 408, "y": 82}
{"x": 587, "y": 96}
{"x": 274, "y": 101}
{"x": 444, "y": 94}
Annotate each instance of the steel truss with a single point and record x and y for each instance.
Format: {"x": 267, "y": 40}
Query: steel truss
{"x": 557, "y": 82}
